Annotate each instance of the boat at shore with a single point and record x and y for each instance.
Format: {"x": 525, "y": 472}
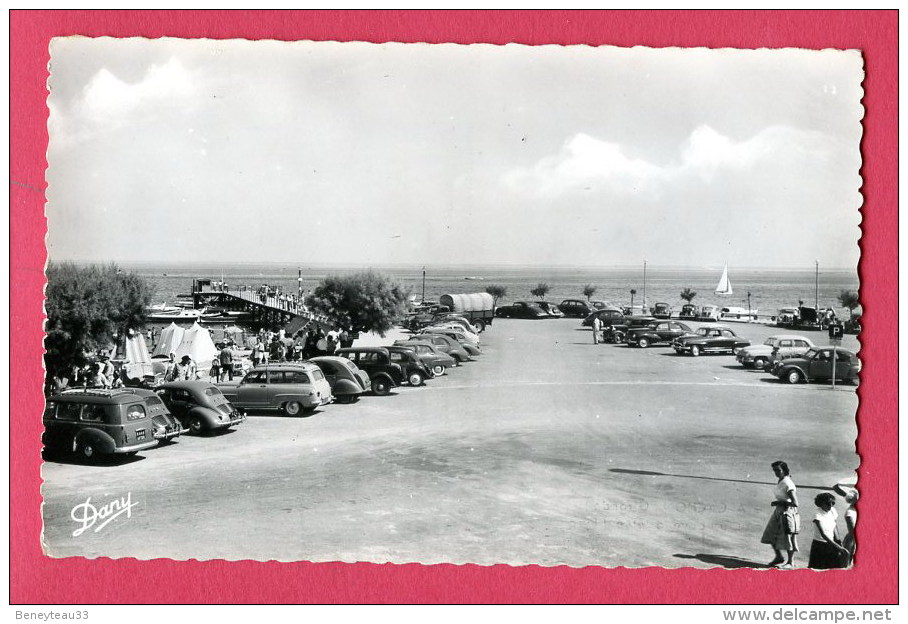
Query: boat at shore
{"x": 173, "y": 314}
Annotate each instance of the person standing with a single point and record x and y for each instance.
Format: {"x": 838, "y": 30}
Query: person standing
{"x": 826, "y": 551}
{"x": 851, "y": 518}
{"x": 214, "y": 373}
{"x": 258, "y": 352}
{"x": 597, "y": 327}
{"x": 782, "y": 530}
{"x": 226, "y": 359}
{"x": 170, "y": 371}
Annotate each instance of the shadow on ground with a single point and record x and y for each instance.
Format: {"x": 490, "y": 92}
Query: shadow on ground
{"x": 652, "y": 473}
{"x": 725, "y": 561}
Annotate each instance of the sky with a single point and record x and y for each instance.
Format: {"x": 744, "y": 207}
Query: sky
{"x": 173, "y": 150}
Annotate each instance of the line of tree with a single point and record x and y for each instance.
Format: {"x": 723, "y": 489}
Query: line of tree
{"x": 497, "y": 291}
{"x": 688, "y": 295}
{"x": 849, "y": 299}
{"x": 589, "y": 290}
{"x": 363, "y": 301}
{"x": 88, "y": 308}
{"x": 541, "y": 290}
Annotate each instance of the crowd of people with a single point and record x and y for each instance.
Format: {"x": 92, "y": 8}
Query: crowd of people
{"x": 827, "y": 549}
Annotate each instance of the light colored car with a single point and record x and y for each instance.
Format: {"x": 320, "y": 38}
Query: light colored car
{"x": 462, "y": 335}
{"x": 294, "y": 388}
{"x": 709, "y": 313}
{"x": 784, "y": 345}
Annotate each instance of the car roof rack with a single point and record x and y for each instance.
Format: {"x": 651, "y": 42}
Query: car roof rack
{"x": 98, "y": 392}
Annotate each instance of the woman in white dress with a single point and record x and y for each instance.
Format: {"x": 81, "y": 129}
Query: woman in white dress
{"x": 782, "y": 530}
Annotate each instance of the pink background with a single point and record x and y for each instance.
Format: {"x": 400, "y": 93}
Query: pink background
{"x": 35, "y": 578}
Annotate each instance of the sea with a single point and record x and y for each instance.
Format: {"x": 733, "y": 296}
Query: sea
{"x": 769, "y": 289}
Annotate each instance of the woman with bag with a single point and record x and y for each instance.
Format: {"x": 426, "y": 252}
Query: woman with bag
{"x": 782, "y": 530}
{"x": 826, "y": 551}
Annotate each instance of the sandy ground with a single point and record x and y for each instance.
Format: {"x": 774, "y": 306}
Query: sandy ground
{"x": 546, "y": 450}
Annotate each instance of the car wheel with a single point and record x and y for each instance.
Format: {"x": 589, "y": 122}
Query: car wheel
{"x": 415, "y": 379}
{"x": 479, "y": 326}
{"x": 794, "y": 377}
{"x": 759, "y": 363}
{"x": 438, "y": 370}
{"x": 86, "y": 450}
{"x": 293, "y": 408}
{"x": 195, "y": 425}
{"x": 643, "y": 343}
{"x": 694, "y": 350}
{"x": 381, "y": 387}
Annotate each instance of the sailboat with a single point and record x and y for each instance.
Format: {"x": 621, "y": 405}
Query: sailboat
{"x": 724, "y": 285}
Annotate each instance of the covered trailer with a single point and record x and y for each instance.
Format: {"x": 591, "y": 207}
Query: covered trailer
{"x": 478, "y": 308}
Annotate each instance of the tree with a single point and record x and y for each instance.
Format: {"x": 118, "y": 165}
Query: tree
{"x": 87, "y": 306}
{"x": 849, "y": 299}
{"x": 589, "y": 290}
{"x": 541, "y": 289}
{"x": 688, "y": 295}
{"x": 364, "y": 301}
{"x": 497, "y": 292}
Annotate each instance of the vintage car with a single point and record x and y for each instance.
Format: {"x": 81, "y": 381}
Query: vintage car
{"x": 455, "y": 320}
{"x": 443, "y": 343}
{"x": 709, "y": 313}
{"x": 435, "y": 360}
{"x": 522, "y": 310}
{"x": 731, "y": 312}
{"x": 817, "y": 365}
{"x": 662, "y": 311}
{"x": 92, "y": 421}
{"x": 575, "y": 308}
{"x": 415, "y": 371}
{"x": 710, "y": 339}
{"x": 551, "y": 308}
{"x": 376, "y": 362}
{"x": 656, "y": 333}
{"x": 469, "y": 346}
{"x": 689, "y": 312}
{"x": 455, "y": 331}
{"x": 777, "y": 347}
{"x": 199, "y": 405}
{"x": 599, "y": 304}
{"x": 346, "y": 379}
{"x": 787, "y": 317}
{"x": 295, "y": 388}
{"x": 606, "y": 316}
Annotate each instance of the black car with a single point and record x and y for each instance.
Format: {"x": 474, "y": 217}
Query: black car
{"x": 606, "y": 316}
{"x": 376, "y": 362}
{"x": 575, "y": 308}
{"x": 522, "y": 310}
{"x": 414, "y": 369}
{"x": 199, "y": 405}
{"x": 656, "y": 333}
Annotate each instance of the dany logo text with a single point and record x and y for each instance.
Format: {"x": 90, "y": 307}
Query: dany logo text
{"x": 87, "y": 515}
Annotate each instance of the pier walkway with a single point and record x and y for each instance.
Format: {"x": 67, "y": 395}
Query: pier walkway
{"x": 264, "y": 307}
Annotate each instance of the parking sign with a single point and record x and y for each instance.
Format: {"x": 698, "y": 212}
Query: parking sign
{"x": 836, "y": 330}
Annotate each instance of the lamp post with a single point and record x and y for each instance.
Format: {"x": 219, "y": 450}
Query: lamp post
{"x": 749, "y": 309}
{"x": 644, "y": 284}
{"x": 299, "y": 284}
{"x": 424, "y": 285}
{"x": 633, "y": 292}
{"x": 816, "y": 286}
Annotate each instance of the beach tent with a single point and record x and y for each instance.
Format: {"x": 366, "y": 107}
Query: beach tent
{"x": 198, "y": 345}
{"x": 137, "y": 362}
{"x": 171, "y": 337}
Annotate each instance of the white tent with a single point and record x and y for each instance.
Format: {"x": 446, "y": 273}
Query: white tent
{"x": 137, "y": 362}
{"x": 171, "y": 337}
{"x": 198, "y": 345}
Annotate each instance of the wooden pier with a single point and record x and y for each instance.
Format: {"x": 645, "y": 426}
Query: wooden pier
{"x": 265, "y": 308}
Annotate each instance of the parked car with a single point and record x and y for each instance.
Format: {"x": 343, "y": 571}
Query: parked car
{"x": 656, "y": 333}
{"x": 777, "y": 347}
{"x": 522, "y": 310}
{"x": 346, "y": 379}
{"x": 710, "y": 339}
{"x": 293, "y": 387}
{"x": 709, "y": 313}
{"x": 450, "y": 320}
{"x": 575, "y": 308}
{"x": 599, "y": 304}
{"x": 787, "y": 317}
{"x": 457, "y": 331}
{"x": 415, "y": 371}
{"x": 444, "y": 344}
{"x": 817, "y": 365}
{"x": 91, "y": 422}
{"x": 469, "y": 346}
{"x": 662, "y": 311}
{"x": 200, "y": 406}
{"x": 731, "y": 312}
{"x": 689, "y": 312}
{"x": 550, "y": 308}
{"x": 376, "y": 362}
{"x": 477, "y": 308}
{"x": 607, "y": 316}
{"x": 435, "y": 360}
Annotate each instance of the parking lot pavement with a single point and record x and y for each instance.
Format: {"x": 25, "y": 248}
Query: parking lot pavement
{"x": 547, "y": 449}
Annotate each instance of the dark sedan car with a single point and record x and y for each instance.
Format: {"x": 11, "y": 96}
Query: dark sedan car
{"x": 522, "y": 310}
{"x": 347, "y": 381}
{"x": 550, "y": 308}
{"x": 662, "y": 311}
{"x": 656, "y": 333}
{"x": 441, "y": 342}
{"x": 818, "y": 365}
{"x": 414, "y": 369}
{"x": 199, "y": 405}
{"x": 376, "y": 361}
{"x": 711, "y": 339}
{"x": 607, "y": 316}
{"x": 575, "y": 308}
{"x": 435, "y": 360}
{"x": 689, "y": 312}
